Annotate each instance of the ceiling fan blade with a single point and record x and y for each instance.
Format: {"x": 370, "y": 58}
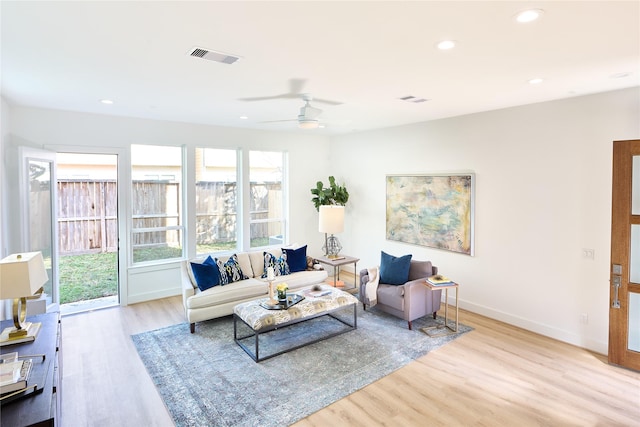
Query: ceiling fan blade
{"x": 266, "y": 98}
{"x": 295, "y": 86}
{"x": 279, "y": 121}
{"x": 327, "y": 101}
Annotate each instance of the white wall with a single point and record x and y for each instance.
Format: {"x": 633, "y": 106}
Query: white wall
{"x": 543, "y": 193}
{"x": 4, "y": 138}
{"x": 308, "y": 157}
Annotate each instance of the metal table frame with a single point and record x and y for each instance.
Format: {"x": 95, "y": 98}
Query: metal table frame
{"x": 446, "y": 329}
{"x": 256, "y": 333}
{"x": 336, "y": 263}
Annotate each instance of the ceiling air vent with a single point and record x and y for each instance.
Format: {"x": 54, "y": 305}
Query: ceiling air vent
{"x": 211, "y": 55}
{"x": 413, "y": 99}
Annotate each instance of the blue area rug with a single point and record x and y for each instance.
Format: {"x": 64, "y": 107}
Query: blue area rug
{"x": 206, "y": 379}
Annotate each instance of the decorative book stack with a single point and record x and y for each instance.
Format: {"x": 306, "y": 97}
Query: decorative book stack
{"x": 439, "y": 280}
{"x": 14, "y": 374}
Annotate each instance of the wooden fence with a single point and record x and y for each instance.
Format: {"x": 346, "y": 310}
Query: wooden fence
{"x": 87, "y": 216}
{"x": 87, "y": 213}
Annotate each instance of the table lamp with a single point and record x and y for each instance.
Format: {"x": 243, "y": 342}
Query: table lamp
{"x": 21, "y": 277}
{"x": 331, "y": 222}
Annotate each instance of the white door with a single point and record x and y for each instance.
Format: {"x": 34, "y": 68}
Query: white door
{"x": 37, "y": 186}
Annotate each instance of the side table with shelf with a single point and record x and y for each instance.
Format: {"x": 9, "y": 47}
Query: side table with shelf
{"x": 42, "y": 408}
{"x": 336, "y": 263}
{"x": 446, "y": 329}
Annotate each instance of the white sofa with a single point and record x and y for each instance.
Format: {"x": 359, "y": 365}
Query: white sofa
{"x": 219, "y": 300}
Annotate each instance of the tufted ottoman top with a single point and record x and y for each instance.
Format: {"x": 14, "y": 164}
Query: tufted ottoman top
{"x": 259, "y": 318}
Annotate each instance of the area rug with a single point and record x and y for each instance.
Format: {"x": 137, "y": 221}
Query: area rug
{"x": 206, "y": 379}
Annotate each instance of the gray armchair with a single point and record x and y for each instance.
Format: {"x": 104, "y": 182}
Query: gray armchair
{"x": 409, "y": 301}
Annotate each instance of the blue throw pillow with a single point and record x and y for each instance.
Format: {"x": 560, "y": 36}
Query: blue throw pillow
{"x": 296, "y": 258}
{"x": 394, "y": 270}
{"x": 280, "y": 265}
{"x": 230, "y": 271}
{"x": 207, "y": 274}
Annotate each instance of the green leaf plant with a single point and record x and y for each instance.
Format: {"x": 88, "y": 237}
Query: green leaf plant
{"x": 334, "y": 194}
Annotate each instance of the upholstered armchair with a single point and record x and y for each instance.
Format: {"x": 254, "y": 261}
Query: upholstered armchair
{"x": 408, "y": 301}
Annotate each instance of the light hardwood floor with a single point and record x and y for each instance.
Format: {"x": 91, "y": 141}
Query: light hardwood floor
{"x": 496, "y": 375}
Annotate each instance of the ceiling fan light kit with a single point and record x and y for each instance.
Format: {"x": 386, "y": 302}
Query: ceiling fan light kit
{"x": 307, "y": 124}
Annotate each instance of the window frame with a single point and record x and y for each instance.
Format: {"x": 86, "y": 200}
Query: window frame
{"x": 180, "y": 215}
{"x": 238, "y": 189}
{"x": 283, "y": 220}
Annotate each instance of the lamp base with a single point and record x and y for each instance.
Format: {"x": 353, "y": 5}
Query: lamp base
{"x": 332, "y": 247}
{"x": 19, "y": 333}
{"x": 27, "y": 333}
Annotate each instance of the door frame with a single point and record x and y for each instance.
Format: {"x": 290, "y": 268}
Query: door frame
{"x": 25, "y": 154}
{"x": 620, "y": 280}
{"x": 123, "y": 177}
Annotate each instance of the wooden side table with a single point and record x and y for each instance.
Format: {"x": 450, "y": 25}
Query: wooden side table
{"x": 336, "y": 263}
{"x": 446, "y": 329}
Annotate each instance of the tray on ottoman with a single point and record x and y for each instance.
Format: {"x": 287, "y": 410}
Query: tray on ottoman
{"x": 292, "y": 299}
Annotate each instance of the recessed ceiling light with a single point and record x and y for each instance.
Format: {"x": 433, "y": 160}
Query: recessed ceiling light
{"x": 529, "y": 15}
{"x": 446, "y": 44}
{"x": 106, "y": 101}
{"x": 243, "y": 117}
{"x": 535, "y": 81}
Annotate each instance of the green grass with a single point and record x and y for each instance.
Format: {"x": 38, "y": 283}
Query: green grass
{"x": 87, "y": 277}
{"x": 156, "y": 253}
{"x": 90, "y": 276}
{"x": 217, "y": 247}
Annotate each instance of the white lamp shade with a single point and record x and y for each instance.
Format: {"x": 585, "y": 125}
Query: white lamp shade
{"x": 21, "y": 275}
{"x": 331, "y": 219}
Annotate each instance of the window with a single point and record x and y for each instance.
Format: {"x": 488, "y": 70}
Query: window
{"x": 157, "y": 226}
{"x": 216, "y": 200}
{"x": 267, "y": 201}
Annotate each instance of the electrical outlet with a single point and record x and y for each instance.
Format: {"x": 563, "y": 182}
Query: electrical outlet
{"x": 584, "y": 318}
{"x": 588, "y": 253}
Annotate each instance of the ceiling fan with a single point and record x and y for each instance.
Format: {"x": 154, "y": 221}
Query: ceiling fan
{"x": 295, "y": 91}
{"x": 308, "y": 116}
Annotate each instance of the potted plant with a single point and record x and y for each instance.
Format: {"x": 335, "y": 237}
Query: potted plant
{"x": 334, "y": 194}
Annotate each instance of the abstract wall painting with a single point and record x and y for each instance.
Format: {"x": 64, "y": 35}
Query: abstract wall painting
{"x": 432, "y": 210}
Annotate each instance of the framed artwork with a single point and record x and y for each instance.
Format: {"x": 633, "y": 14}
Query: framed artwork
{"x": 432, "y": 210}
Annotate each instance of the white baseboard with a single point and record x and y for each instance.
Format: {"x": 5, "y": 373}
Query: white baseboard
{"x": 148, "y": 296}
{"x": 539, "y": 328}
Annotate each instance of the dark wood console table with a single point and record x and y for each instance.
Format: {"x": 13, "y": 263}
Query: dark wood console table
{"x": 42, "y": 409}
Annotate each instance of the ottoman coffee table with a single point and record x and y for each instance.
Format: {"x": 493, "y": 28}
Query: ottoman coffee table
{"x": 327, "y": 301}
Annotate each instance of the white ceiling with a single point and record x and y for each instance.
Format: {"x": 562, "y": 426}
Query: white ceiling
{"x": 70, "y": 55}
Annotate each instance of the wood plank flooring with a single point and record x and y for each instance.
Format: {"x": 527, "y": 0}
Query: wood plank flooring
{"x": 496, "y": 375}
